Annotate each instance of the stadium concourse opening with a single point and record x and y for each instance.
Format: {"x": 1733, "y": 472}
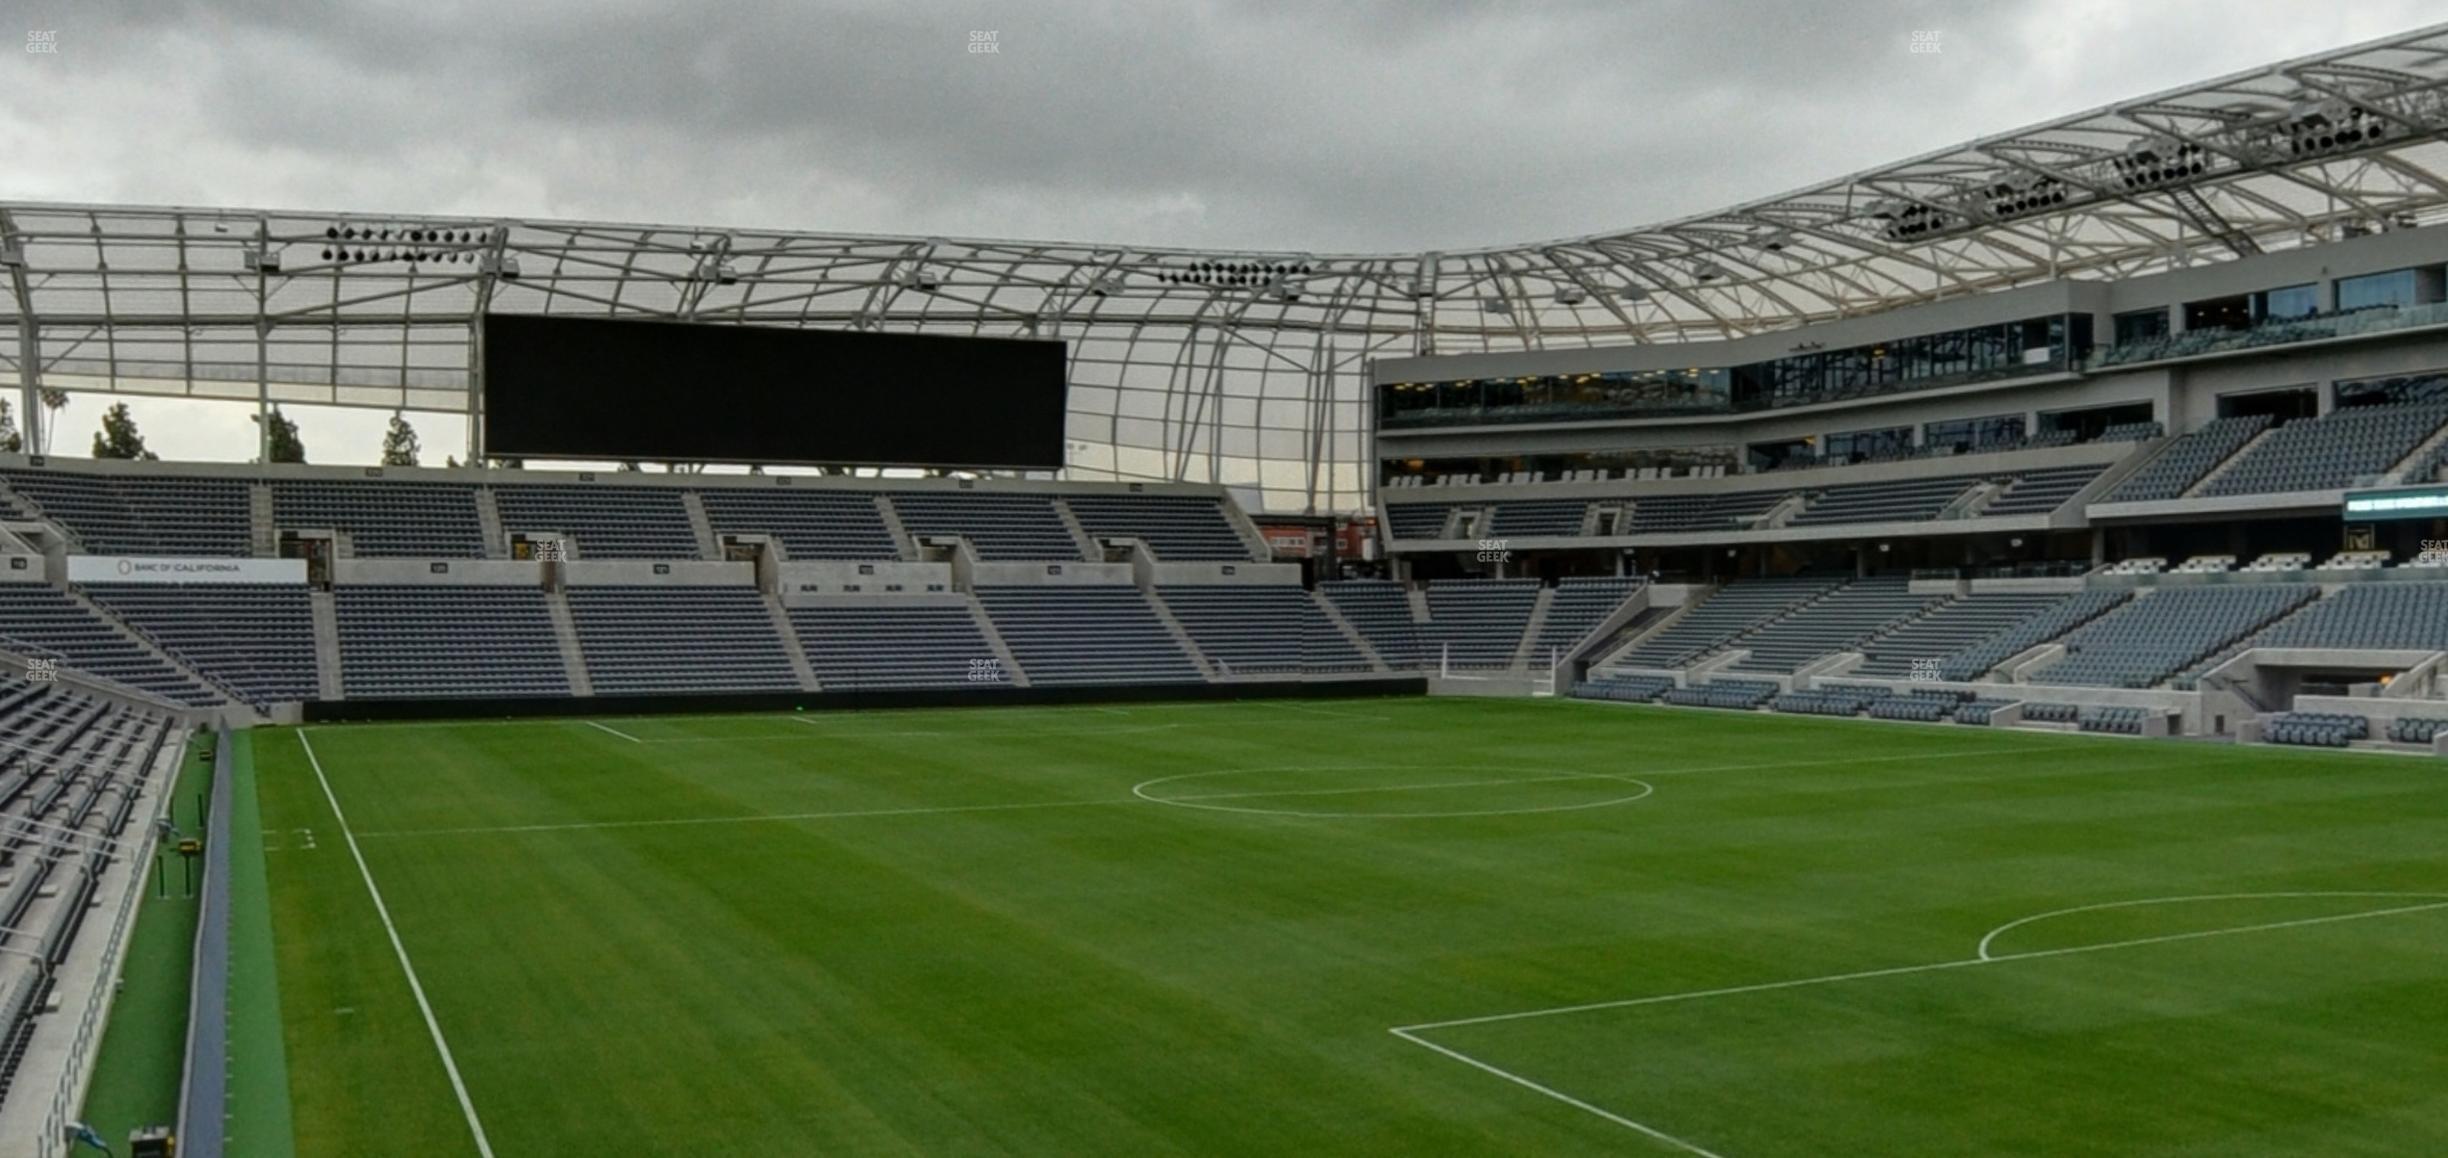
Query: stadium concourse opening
{"x": 1952, "y": 659}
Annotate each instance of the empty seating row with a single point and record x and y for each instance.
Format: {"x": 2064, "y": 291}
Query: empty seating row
{"x": 1174, "y": 527}
{"x": 893, "y": 643}
{"x": 256, "y": 639}
{"x": 1918, "y": 707}
{"x": 1478, "y": 623}
{"x": 2150, "y": 639}
{"x": 1900, "y": 500}
{"x": 1712, "y": 512}
{"x": 997, "y": 526}
{"x": 142, "y": 514}
{"x": 807, "y": 522}
{"x": 1978, "y": 711}
{"x": 1576, "y": 609}
{"x": 603, "y": 522}
{"x": 398, "y": 519}
{"x": 2415, "y": 729}
{"x": 1539, "y": 517}
{"x": 1952, "y": 627}
{"x": 2041, "y": 491}
{"x": 399, "y": 641}
{"x": 1830, "y": 701}
{"x": 1261, "y": 629}
{"x": 1630, "y": 688}
{"x": 1086, "y": 635}
{"x": 1744, "y": 695}
{"x": 649, "y": 640}
{"x": 1849, "y": 615}
{"x": 1381, "y": 612}
{"x": 1417, "y": 520}
{"x": 74, "y": 773}
{"x": 45, "y": 623}
{"x": 2183, "y": 462}
{"x": 2317, "y": 729}
{"x": 1726, "y": 614}
{"x": 2114, "y": 719}
{"x": 2332, "y": 451}
{"x": 2068, "y": 612}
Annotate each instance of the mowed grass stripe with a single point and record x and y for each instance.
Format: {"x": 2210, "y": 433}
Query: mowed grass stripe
{"x": 1150, "y": 979}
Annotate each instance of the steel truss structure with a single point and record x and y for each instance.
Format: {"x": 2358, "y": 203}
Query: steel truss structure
{"x": 1245, "y": 368}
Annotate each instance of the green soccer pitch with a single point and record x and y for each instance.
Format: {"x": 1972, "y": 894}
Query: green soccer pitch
{"x": 1401, "y": 926}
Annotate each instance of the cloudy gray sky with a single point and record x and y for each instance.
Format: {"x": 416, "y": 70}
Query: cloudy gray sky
{"x": 1356, "y": 125}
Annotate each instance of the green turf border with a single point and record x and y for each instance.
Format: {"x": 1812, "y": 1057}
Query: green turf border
{"x": 137, "y": 1071}
{"x": 259, "y": 1115}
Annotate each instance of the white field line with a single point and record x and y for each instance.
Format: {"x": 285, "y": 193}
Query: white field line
{"x": 604, "y": 727}
{"x": 1391, "y": 788}
{"x": 1559, "y": 1095}
{"x": 450, "y": 1065}
{"x": 2035, "y": 919}
{"x": 1902, "y": 970}
{"x": 1412, "y": 1033}
{"x": 1137, "y": 796}
{"x": 748, "y": 818}
{"x": 823, "y": 733}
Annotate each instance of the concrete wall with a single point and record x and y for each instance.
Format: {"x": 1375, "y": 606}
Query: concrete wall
{"x": 1050, "y": 574}
{"x": 495, "y": 572}
{"x": 1223, "y": 574}
{"x": 669, "y": 573}
{"x": 801, "y": 582}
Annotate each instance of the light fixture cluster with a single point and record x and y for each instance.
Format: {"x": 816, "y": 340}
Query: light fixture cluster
{"x": 367, "y": 243}
{"x": 1233, "y": 273}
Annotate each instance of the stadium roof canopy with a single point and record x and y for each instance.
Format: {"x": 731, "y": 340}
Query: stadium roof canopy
{"x": 1242, "y": 367}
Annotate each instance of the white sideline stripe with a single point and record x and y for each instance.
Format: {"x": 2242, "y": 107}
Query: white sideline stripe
{"x": 604, "y": 727}
{"x": 1558, "y": 1095}
{"x": 450, "y": 1064}
{"x": 751, "y": 818}
{"x": 1393, "y": 787}
{"x": 1901, "y": 970}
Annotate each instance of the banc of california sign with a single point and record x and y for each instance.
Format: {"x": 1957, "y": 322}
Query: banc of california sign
{"x": 172, "y": 569}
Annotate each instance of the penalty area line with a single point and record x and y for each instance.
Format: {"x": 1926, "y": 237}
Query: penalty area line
{"x": 450, "y": 1064}
{"x": 1412, "y": 1033}
{"x": 1558, "y": 1095}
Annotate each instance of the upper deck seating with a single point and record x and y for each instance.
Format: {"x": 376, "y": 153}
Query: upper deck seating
{"x": 416, "y": 520}
{"x": 997, "y": 525}
{"x": 2038, "y": 492}
{"x": 142, "y": 514}
{"x": 809, "y": 523}
{"x": 605, "y": 522}
{"x": 2332, "y": 451}
{"x": 2183, "y": 462}
{"x": 1175, "y": 527}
